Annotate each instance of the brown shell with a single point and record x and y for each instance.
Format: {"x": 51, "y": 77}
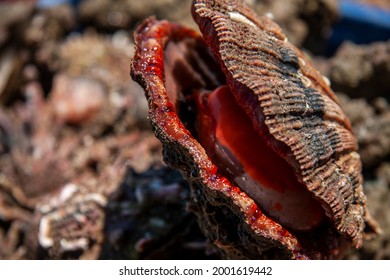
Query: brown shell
{"x": 299, "y": 109}
{"x": 290, "y": 103}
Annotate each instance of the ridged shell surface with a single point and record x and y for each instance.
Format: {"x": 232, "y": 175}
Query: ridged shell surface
{"x": 291, "y": 105}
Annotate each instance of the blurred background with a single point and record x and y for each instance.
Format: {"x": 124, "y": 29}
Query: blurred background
{"x": 81, "y": 173}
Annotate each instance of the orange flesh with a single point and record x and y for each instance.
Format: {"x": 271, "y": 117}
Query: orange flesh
{"x": 265, "y": 176}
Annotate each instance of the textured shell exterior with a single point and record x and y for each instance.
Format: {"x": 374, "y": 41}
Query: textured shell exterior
{"x": 294, "y": 107}
{"x": 290, "y": 105}
{"x": 219, "y": 205}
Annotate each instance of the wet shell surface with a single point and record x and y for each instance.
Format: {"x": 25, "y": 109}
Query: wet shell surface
{"x": 256, "y": 130}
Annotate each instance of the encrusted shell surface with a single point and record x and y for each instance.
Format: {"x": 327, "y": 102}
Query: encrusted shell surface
{"x": 286, "y": 99}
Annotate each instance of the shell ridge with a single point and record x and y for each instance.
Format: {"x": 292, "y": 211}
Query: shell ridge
{"x": 314, "y": 143}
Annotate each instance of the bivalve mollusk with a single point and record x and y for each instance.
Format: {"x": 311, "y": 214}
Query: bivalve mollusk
{"x": 258, "y": 133}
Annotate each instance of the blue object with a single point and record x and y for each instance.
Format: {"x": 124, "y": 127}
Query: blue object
{"x": 52, "y": 3}
{"x": 360, "y": 24}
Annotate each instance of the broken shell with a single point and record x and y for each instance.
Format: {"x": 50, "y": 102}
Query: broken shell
{"x": 270, "y": 157}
